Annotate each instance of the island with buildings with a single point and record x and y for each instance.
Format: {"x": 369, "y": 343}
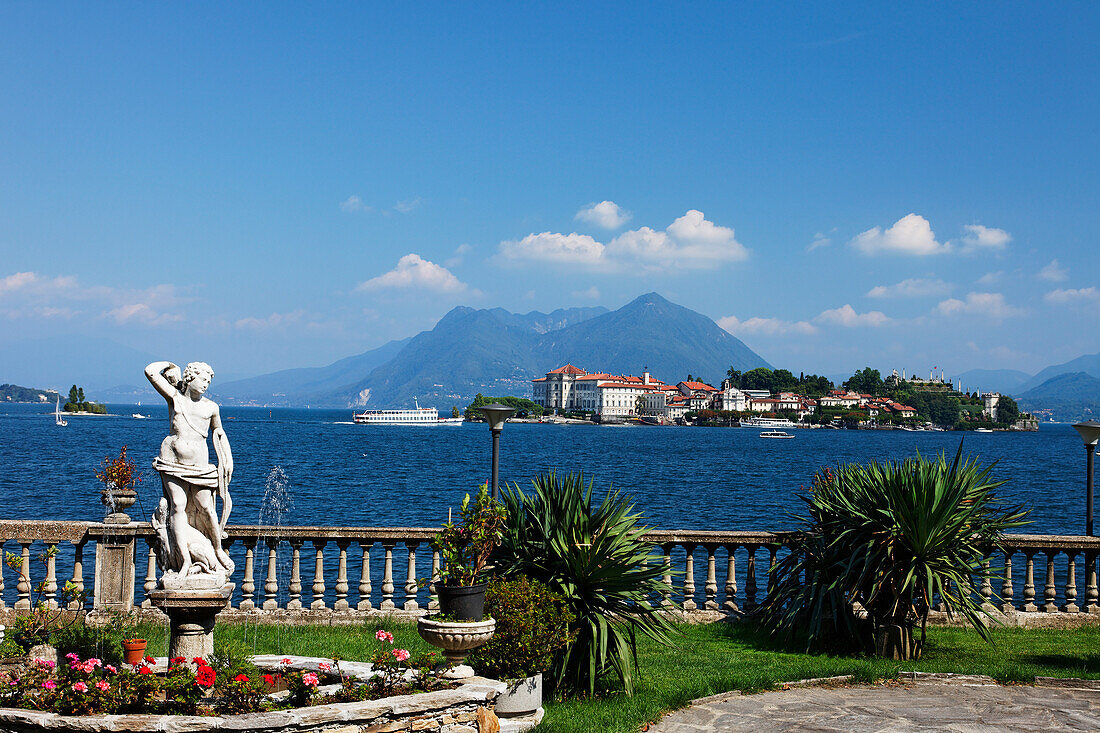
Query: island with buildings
{"x": 865, "y": 401}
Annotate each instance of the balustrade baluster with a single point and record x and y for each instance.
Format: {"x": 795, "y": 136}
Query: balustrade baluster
{"x": 1006, "y": 584}
{"x": 1029, "y": 584}
{"x": 750, "y": 579}
{"x": 50, "y": 587}
{"x": 364, "y": 577}
{"x": 433, "y": 597}
{"x": 711, "y": 588}
{"x": 271, "y": 586}
{"x": 387, "y": 577}
{"x": 986, "y": 590}
{"x": 731, "y": 580}
{"x": 77, "y": 601}
{"x": 319, "y": 575}
{"x": 24, "y": 585}
{"x": 1092, "y": 591}
{"x": 666, "y": 591}
{"x": 3, "y": 557}
{"x": 1071, "y": 583}
{"x": 294, "y": 590}
{"x": 150, "y": 571}
{"x": 1050, "y": 592}
{"x": 342, "y": 577}
{"x": 248, "y": 583}
{"x": 411, "y": 587}
{"x": 689, "y": 579}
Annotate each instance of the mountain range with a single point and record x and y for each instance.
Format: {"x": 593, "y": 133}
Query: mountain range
{"x": 496, "y": 352}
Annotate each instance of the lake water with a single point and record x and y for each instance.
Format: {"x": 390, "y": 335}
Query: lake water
{"x": 342, "y": 474}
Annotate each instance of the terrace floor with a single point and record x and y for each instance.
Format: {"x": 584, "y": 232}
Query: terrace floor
{"x": 934, "y": 703}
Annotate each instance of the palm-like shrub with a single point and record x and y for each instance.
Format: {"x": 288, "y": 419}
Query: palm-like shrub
{"x": 881, "y": 543}
{"x": 598, "y": 559}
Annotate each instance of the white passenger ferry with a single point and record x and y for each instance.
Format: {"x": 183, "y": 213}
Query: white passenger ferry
{"x": 418, "y": 416}
{"x": 767, "y": 422}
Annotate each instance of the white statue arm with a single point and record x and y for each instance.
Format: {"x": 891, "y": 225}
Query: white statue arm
{"x": 164, "y": 376}
{"x": 225, "y": 464}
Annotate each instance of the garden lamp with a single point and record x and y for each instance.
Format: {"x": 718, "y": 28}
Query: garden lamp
{"x": 496, "y": 414}
{"x": 1090, "y": 434}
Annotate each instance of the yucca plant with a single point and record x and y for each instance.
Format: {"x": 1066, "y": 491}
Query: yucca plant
{"x": 881, "y": 543}
{"x": 597, "y": 557}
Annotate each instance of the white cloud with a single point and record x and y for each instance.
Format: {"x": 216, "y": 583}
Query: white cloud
{"x": 353, "y": 203}
{"x": 1080, "y": 295}
{"x": 31, "y": 283}
{"x": 690, "y": 242}
{"x": 141, "y": 313}
{"x": 1053, "y": 272}
{"x": 606, "y": 215}
{"x": 990, "y": 278}
{"x": 820, "y": 240}
{"x": 910, "y": 235}
{"x": 593, "y": 293}
{"x": 990, "y": 305}
{"x": 765, "y": 326}
{"x": 414, "y": 272}
{"x": 404, "y": 207}
{"x": 578, "y": 249}
{"x": 272, "y": 321}
{"x": 984, "y": 239}
{"x": 914, "y": 287}
{"x": 847, "y": 316}
{"x": 460, "y": 254}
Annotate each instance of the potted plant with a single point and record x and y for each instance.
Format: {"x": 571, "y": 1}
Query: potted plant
{"x": 533, "y": 628}
{"x": 133, "y": 650}
{"x": 119, "y": 490}
{"x": 465, "y": 548}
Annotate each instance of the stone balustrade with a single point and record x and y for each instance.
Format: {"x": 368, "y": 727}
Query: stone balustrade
{"x": 351, "y": 570}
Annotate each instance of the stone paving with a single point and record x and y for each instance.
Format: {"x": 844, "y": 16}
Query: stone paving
{"x": 959, "y": 705}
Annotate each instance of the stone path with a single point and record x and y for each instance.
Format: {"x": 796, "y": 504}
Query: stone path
{"x": 960, "y": 705}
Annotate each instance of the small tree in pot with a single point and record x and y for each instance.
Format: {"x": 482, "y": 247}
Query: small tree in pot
{"x": 465, "y": 548}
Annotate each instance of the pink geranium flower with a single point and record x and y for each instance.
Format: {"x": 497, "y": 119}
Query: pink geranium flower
{"x": 103, "y": 685}
{"x": 401, "y": 654}
{"x": 310, "y": 679}
{"x": 49, "y": 684}
{"x": 286, "y": 660}
{"x": 110, "y": 668}
{"x": 80, "y": 687}
{"x": 324, "y": 666}
{"x": 383, "y": 636}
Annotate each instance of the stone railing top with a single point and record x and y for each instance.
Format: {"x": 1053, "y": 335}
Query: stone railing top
{"x": 68, "y": 531}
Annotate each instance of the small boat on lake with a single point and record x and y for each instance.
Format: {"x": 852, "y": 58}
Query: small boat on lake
{"x": 58, "y": 420}
{"x": 775, "y": 434}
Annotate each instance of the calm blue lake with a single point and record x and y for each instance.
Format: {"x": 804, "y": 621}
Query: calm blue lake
{"x": 345, "y": 474}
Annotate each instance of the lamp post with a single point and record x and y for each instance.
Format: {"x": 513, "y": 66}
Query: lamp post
{"x": 1090, "y": 433}
{"x": 496, "y": 414}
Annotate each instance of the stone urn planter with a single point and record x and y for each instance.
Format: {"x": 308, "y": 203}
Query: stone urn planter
{"x": 455, "y": 638}
{"x": 521, "y": 697}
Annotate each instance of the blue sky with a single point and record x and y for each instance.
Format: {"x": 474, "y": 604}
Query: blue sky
{"x": 265, "y": 186}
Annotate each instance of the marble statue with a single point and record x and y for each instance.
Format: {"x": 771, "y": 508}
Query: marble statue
{"x": 188, "y": 530}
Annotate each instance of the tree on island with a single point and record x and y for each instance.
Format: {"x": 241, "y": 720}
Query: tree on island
{"x": 77, "y": 403}
{"x": 522, "y": 407}
{"x": 866, "y": 381}
{"x": 1008, "y": 411}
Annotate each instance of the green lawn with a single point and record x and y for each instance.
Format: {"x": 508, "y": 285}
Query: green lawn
{"x": 709, "y": 659}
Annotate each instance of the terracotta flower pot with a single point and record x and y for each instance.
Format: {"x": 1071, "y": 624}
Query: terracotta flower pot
{"x": 133, "y": 650}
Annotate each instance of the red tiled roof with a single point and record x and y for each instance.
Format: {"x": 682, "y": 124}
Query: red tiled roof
{"x": 567, "y": 369}
{"x": 698, "y": 385}
{"x": 540, "y": 379}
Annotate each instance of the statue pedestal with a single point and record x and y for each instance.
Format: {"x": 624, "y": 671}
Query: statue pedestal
{"x": 191, "y": 614}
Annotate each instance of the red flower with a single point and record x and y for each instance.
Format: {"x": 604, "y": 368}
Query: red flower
{"x": 150, "y": 660}
{"x": 178, "y": 660}
{"x": 269, "y": 680}
{"x": 241, "y": 678}
{"x": 199, "y": 661}
{"x": 205, "y": 676}
{"x": 145, "y": 670}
